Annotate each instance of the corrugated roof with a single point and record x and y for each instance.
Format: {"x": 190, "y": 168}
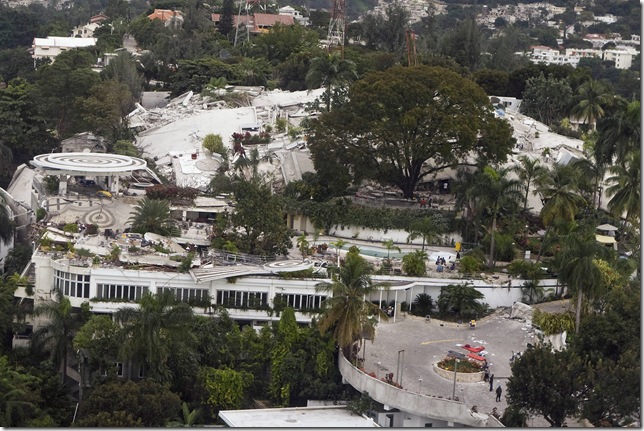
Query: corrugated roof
{"x": 269, "y": 20}
{"x": 163, "y": 14}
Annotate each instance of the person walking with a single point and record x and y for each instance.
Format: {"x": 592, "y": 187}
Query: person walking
{"x": 499, "y": 391}
{"x": 491, "y": 382}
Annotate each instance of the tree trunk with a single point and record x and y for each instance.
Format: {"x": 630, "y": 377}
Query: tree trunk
{"x": 578, "y": 311}
{"x": 491, "y": 263}
{"x": 543, "y": 241}
{"x": 525, "y": 200}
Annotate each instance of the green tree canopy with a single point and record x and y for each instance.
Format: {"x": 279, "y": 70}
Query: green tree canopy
{"x": 153, "y": 215}
{"x": 546, "y": 99}
{"x": 460, "y": 298}
{"x": 405, "y": 123}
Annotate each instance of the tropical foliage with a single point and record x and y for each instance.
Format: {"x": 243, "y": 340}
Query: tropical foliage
{"x": 153, "y": 215}
{"x": 461, "y": 299}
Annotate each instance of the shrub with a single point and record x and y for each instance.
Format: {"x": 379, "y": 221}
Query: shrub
{"x": 51, "y": 183}
{"x": 71, "y": 228}
{"x": 215, "y": 144}
{"x": 469, "y": 264}
{"x": 171, "y": 193}
{"x": 91, "y": 229}
{"x": 40, "y": 214}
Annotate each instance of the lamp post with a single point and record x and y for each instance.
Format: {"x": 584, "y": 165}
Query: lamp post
{"x": 456, "y": 361}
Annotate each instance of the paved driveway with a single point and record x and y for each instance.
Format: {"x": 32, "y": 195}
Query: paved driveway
{"x": 426, "y": 343}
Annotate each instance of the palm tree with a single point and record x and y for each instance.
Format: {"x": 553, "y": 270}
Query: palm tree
{"x": 57, "y": 334}
{"x": 579, "y": 269}
{"x": 302, "y": 244}
{"x": 348, "y": 311}
{"x": 425, "y": 228}
{"x": 619, "y": 134}
{"x": 389, "y": 245}
{"x": 423, "y": 303}
{"x": 153, "y": 215}
{"x": 463, "y": 298}
{"x": 329, "y": 71}
{"x": 558, "y": 190}
{"x": 338, "y": 246}
{"x": 497, "y": 191}
{"x": 528, "y": 171}
{"x": 592, "y": 97}
{"x": 591, "y": 174}
{"x": 625, "y": 189}
{"x": 153, "y": 330}
{"x": 188, "y": 417}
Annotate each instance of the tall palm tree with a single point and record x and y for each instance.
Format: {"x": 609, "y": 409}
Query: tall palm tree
{"x": 302, "y": 244}
{"x": 57, "y": 334}
{"x": 625, "y": 189}
{"x": 153, "y": 330}
{"x": 153, "y": 215}
{"x": 528, "y": 171}
{"x": 592, "y": 97}
{"x": 330, "y": 71}
{"x": 579, "y": 269}
{"x": 347, "y": 310}
{"x": 558, "y": 190}
{"x": 497, "y": 191}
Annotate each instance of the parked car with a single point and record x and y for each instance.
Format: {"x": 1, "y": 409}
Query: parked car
{"x": 85, "y": 183}
{"x": 103, "y": 194}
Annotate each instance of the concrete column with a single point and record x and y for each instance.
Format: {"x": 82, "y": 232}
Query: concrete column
{"x": 62, "y": 185}
{"x": 113, "y": 184}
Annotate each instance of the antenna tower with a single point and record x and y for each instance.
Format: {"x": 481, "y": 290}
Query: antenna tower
{"x": 337, "y": 26}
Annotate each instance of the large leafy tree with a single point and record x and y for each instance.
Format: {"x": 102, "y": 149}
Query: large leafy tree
{"x": 543, "y": 383}
{"x": 619, "y": 133}
{"x": 153, "y": 330}
{"x": 105, "y": 110}
{"x": 7, "y": 226}
{"x": 123, "y": 69}
{"x": 347, "y": 312}
{"x": 546, "y": 99}
{"x": 405, "y": 123}
{"x": 61, "y": 83}
{"x": 153, "y": 215}
{"x": 145, "y": 403}
{"x": 56, "y": 334}
{"x": 386, "y": 32}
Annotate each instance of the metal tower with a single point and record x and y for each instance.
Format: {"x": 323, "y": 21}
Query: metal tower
{"x": 337, "y": 26}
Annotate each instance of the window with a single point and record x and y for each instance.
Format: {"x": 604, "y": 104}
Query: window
{"x": 187, "y": 294}
{"x": 119, "y": 369}
{"x": 120, "y": 291}
{"x": 74, "y": 285}
{"x": 236, "y": 299}
{"x": 300, "y": 302}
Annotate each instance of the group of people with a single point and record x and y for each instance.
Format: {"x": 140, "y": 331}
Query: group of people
{"x": 490, "y": 377}
{"x": 441, "y": 264}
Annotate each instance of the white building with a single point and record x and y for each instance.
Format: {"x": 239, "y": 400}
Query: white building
{"x": 86, "y": 30}
{"x": 623, "y": 58}
{"x": 296, "y": 14}
{"x": 51, "y": 46}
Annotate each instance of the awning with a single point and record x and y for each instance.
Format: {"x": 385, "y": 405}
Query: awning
{"x": 606, "y": 226}
{"x": 605, "y": 239}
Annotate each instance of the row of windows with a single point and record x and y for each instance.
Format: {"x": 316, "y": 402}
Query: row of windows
{"x": 75, "y": 285}
{"x": 235, "y": 299}
{"x": 187, "y": 294}
{"x": 300, "y": 302}
{"x": 119, "y": 291}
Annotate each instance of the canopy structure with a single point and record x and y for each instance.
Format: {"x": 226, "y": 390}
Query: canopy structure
{"x": 604, "y": 239}
{"x": 607, "y": 227}
{"x": 111, "y": 166}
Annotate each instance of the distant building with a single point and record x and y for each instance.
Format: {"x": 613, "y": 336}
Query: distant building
{"x": 257, "y": 23}
{"x": 51, "y": 46}
{"x": 98, "y": 18}
{"x": 622, "y": 56}
{"x": 296, "y": 14}
{"x": 84, "y": 141}
{"x": 169, "y": 17}
{"x": 86, "y": 30}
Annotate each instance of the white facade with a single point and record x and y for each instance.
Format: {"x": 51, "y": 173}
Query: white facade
{"x": 51, "y": 46}
{"x": 623, "y": 57}
{"x": 296, "y": 14}
{"x": 85, "y": 31}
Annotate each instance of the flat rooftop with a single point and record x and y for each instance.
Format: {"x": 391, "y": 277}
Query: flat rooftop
{"x": 299, "y": 417}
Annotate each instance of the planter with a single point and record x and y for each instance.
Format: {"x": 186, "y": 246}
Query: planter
{"x": 460, "y": 377}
